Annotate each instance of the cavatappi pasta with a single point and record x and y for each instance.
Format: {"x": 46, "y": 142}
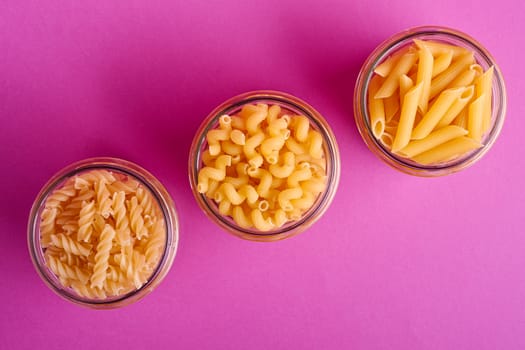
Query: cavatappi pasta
{"x": 102, "y": 234}
{"x": 430, "y": 102}
{"x": 263, "y": 167}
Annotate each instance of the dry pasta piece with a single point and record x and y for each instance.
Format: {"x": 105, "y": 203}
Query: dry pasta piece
{"x": 424, "y": 76}
{"x": 484, "y": 87}
{"x": 281, "y": 152}
{"x": 436, "y": 112}
{"x": 447, "y": 150}
{"x": 376, "y": 107}
{"x": 475, "y": 118}
{"x": 91, "y": 252}
{"x": 407, "y": 117}
{"x": 434, "y": 139}
{"x": 456, "y": 107}
{"x": 390, "y": 85}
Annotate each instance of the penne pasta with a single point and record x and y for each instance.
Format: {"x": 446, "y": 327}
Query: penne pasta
{"x": 390, "y": 85}
{"x": 440, "y": 82}
{"x": 424, "y": 76}
{"x": 406, "y": 119}
{"x": 456, "y": 107}
{"x": 386, "y": 67}
{"x": 391, "y": 106}
{"x": 438, "y": 48}
{"x": 376, "y": 107}
{"x": 441, "y": 63}
{"x": 447, "y": 150}
{"x": 484, "y": 87}
{"x": 434, "y": 139}
{"x": 405, "y": 84}
{"x": 475, "y": 118}
{"x": 462, "y": 119}
{"x": 436, "y": 112}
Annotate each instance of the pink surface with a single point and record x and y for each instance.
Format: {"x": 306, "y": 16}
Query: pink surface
{"x": 397, "y": 262}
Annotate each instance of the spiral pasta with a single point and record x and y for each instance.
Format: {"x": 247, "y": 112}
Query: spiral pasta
{"x": 278, "y": 171}
{"x": 102, "y": 233}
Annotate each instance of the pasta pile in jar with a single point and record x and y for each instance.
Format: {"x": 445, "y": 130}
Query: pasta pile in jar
{"x": 263, "y": 167}
{"x": 102, "y": 233}
{"x": 430, "y": 102}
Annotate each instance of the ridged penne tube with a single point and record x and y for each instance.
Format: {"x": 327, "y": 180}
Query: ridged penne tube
{"x": 436, "y": 112}
{"x": 406, "y": 119}
{"x": 424, "y": 75}
{"x": 387, "y": 65}
{"x": 390, "y": 84}
{"x": 440, "y": 48}
{"x": 448, "y": 150}
{"x": 462, "y": 119}
{"x": 484, "y": 87}
{"x": 391, "y": 106}
{"x": 405, "y": 84}
{"x": 287, "y": 195}
{"x": 456, "y": 107}
{"x": 376, "y": 107}
{"x": 387, "y": 140}
{"x": 440, "y": 82}
{"x": 435, "y": 139}
{"x": 442, "y": 62}
{"x": 260, "y": 222}
{"x": 475, "y": 118}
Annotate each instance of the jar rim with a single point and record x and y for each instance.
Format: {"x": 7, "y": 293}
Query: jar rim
{"x": 160, "y": 195}
{"x": 394, "y": 43}
{"x": 291, "y": 103}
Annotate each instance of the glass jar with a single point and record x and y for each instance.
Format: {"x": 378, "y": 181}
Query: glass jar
{"x": 130, "y": 171}
{"x": 292, "y": 105}
{"x": 397, "y": 42}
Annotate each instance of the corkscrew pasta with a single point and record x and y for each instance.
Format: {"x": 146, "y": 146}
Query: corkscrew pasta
{"x": 263, "y": 166}
{"x": 430, "y": 102}
{"x": 102, "y": 234}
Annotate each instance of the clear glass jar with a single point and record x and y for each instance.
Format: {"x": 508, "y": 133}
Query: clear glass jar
{"x": 397, "y": 42}
{"x": 149, "y": 182}
{"x": 287, "y": 103}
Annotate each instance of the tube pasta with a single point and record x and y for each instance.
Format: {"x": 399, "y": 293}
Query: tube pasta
{"x": 447, "y": 150}
{"x": 441, "y": 81}
{"x": 475, "y": 118}
{"x": 406, "y": 120}
{"x": 376, "y": 107}
{"x": 484, "y": 87}
{"x": 434, "y": 139}
{"x": 424, "y": 75}
{"x": 442, "y": 62}
{"x": 456, "y": 107}
{"x": 390, "y": 85}
{"x": 436, "y": 112}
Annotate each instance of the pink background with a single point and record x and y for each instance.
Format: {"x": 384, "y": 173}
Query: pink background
{"x": 397, "y": 262}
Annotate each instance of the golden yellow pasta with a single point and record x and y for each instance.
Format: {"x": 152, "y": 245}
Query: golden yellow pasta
{"x": 429, "y": 102}
{"x": 279, "y": 173}
{"x": 102, "y": 250}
